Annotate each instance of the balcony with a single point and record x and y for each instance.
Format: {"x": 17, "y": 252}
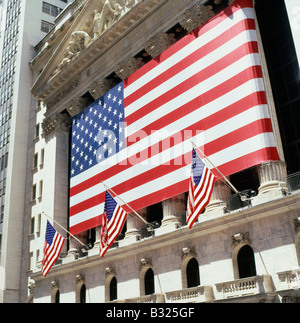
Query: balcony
{"x": 289, "y": 285}
{"x": 199, "y": 294}
{"x": 249, "y": 290}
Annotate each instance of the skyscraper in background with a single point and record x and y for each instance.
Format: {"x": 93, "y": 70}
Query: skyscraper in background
{"x": 23, "y": 24}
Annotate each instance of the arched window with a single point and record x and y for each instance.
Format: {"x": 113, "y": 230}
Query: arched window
{"x": 149, "y": 282}
{"x": 246, "y": 262}
{"x": 192, "y": 273}
{"x": 113, "y": 294}
{"x": 83, "y": 294}
{"x": 57, "y": 296}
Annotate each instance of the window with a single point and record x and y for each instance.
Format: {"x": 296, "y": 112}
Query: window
{"x": 113, "y": 293}
{"x": 51, "y": 10}
{"x": 246, "y": 262}
{"x": 33, "y": 193}
{"x": 46, "y": 26}
{"x": 41, "y": 189}
{"x": 192, "y": 273}
{"x": 35, "y": 161}
{"x": 42, "y": 157}
{"x": 32, "y": 225}
{"x": 57, "y": 297}
{"x": 83, "y": 294}
{"x": 149, "y": 282}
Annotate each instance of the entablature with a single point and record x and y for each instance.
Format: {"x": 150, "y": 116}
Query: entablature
{"x": 93, "y": 48}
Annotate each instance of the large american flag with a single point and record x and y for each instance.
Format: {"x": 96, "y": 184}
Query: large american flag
{"x": 113, "y": 221}
{"x": 202, "y": 183}
{"x": 207, "y": 86}
{"x": 52, "y": 248}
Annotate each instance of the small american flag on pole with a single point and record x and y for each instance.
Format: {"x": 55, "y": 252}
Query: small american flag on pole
{"x": 202, "y": 183}
{"x": 113, "y": 221}
{"x": 52, "y": 248}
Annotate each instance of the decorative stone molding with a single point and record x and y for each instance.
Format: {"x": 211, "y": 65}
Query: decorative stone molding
{"x": 188, "y": 252}
{"x": 196, "y": 16}
{"x": 159, "y": 43}
{"x": 146, "y": 262}
{"x": 110, "y": 271}
{"x": 297, "y": 225}
{"x": 77, "y": 105}
{"x": 31, "y": 288}
{"x": 100, "y": 87}
{"x": 57, "y": 122}
{"x": 54, "y": 284}
{"x": 80, "y": 279}
{"x": 62, "y": 94}
{"x": 128, "y": 66}
{"x": 240, "y": 238}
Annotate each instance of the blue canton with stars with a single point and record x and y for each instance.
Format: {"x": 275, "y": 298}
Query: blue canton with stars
{"x": 197, "y": 167}
{"x": 98, "y": 132}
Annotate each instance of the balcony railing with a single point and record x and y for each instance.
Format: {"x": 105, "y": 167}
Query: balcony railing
{"x": 259, "y": 286}
{"x": 200, "y": 294}
{"x": 293, "y": 182}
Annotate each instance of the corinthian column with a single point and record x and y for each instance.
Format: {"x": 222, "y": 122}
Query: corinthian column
{"x": 172, "y": 209}
{"x": 218, "y": 198}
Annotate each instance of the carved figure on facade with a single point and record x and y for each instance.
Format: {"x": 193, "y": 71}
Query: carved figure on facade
{"x": 111, "y": 11}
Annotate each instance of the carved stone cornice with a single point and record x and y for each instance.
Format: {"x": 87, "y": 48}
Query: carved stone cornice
{"x": 56, "y": 122}
{"x": 47, "y": 85}
{"x": 196, "y": 16}
{"x": 67, "y": 89}
{"x": 128, "y": 66}
{"x": 159, "y": 43}
{"x": 100, "y": 87}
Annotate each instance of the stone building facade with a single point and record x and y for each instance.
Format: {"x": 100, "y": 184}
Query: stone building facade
{"x": 246, "y": 253}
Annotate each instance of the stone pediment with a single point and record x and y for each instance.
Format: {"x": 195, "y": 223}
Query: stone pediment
{"x": 98, "y": 26}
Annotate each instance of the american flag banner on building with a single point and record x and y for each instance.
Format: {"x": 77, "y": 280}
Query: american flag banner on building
{"x": 52, "y": 248}
{"x": 208, "y": 86}
{"x": 113, "y": 221}
{"x": 202, "y": 183}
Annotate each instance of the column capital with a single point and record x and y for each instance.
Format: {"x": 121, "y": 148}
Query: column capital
{"x": 128, "y": 66}
{"x": 57, "y": 122}
{"x": 159, "y": 43}
{"x": 100, "y": 87}
{"x": 196, "y": 16}
{"x": 77, "y": 105}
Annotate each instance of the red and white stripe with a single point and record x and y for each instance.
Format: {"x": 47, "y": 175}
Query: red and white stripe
{"x": 114, "y": 228}
{"x": 51, "y": 253}
{"x": 199, "y": 196}
{"x": 209, "y": 81}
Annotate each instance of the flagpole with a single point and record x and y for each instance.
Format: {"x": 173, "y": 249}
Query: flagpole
{"x": 227, "y": 181}
{"x": 127, "y": 205}
{"x": 64, "y": 229}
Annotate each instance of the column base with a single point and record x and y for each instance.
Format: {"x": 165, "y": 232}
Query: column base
{"x": 169, "y": 223}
